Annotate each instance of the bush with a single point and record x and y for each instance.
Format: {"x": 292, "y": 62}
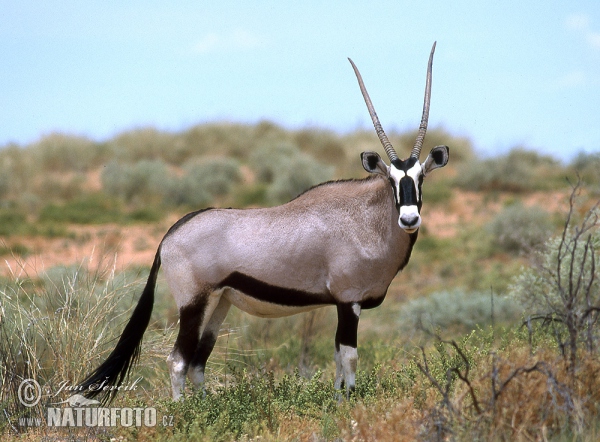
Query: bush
{"x": 461, "y": 148}
{"x": 458, "y": 308}
{"x": 227, "y": 139}
{"x": 58, "y": 188}
{"x": 88, "y": 209}
{"x": 16, "y": 170}
{"x": 12, "y": 222}
{"x": 562, "y": 286}
{"x": 302, "y": 173}
{"x": 587, "y": 166}
{"x": 287, "y": 171}
{"x": 65, "y": 153}
{"x": 539, "y": 292}
{"x": 203, "y": 181}
{"x": 519, "y": 229}
{"x": 321, "y": 144}
{"x": 144, "y": 182}
{"x": 147, "y": 144}
{"x": 518, "y": 171}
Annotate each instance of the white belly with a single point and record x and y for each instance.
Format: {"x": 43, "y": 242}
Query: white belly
{"x": 263, "y": 309}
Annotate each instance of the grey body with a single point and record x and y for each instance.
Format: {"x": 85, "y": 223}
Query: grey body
{"x": 339, "y": 243}
{"x": 341, "y": 246}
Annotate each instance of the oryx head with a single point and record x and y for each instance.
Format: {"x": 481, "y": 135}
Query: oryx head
{"x": 405, "y": 176}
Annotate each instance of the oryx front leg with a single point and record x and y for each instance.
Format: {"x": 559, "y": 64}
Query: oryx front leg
{"x": 193, "y": 318}
{"x": 346, "y": 355}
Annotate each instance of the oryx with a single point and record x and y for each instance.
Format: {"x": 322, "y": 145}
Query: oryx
{"x": 340, "y": 243}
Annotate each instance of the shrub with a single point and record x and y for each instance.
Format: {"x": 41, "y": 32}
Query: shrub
{"x": 518, "y": 171}
{"x": 12, "y": 222}
{"x": 562, "y": 286}
{"x": 437, "y": 192}
{"x": 321, "y": 144}
{"x": 458, "y": 308}
{"x": 227, "y": 139}
{"x": 16, "y": 170}
{"x": 89, "y": 209}
{"x": 54, "y": 186}
{"x": 519, "y": 229}
{"x": 287, "y": 171}
{"x": 216, "y": 176}
{"x": 296, "y": 176}
{"x": 63, "y": 153}
{"x": 461, "y": 148}
{"x": 251, "y": 195}
{"x": 587, "y": 166}
{"x": 144, "y": 182}
{"x": 137, "y": 145}
{"x": 16, "y": 249}
{"x": 203, "y": 181}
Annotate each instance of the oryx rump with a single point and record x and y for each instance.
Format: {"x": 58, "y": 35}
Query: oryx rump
{"x": 340, "y": 243}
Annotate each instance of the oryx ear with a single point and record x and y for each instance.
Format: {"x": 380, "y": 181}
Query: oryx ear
{"x": 373, "y": 163}
{"x": 438, "y": 157}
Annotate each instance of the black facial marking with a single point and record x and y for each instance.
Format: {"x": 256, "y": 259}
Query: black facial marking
{"x": 398, "y": 163}
{"x": 347, "y": 329}
{"x": 420, "y": 201}
{"x": 276, "y": 295}
{"x": 408, "y": 192}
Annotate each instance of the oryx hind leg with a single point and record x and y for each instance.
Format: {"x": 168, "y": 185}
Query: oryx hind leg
{"x": 193, "y": 318}
{"x": 210, "y": 333}
{"x": 346, "y": 354}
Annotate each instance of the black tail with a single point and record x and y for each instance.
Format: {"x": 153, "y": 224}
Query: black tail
{"x": 103, "y": 381}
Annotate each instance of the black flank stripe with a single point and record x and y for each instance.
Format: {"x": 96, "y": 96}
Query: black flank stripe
{"x": 276, "y": 295}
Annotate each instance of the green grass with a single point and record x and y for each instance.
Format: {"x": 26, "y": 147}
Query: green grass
{"x": 255, "y": 389}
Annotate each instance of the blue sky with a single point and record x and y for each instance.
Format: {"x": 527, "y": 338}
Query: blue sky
{"x": 505, "y": 73}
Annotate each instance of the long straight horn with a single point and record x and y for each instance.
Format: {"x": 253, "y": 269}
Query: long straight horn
{"x": 380, "y": 133}
{"x": 416, "y": 151}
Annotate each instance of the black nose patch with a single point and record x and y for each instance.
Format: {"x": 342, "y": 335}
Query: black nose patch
{"x": 408, "y": 192}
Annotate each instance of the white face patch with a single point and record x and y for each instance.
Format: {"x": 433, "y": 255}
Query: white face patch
{"x": 397, "y": 175}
